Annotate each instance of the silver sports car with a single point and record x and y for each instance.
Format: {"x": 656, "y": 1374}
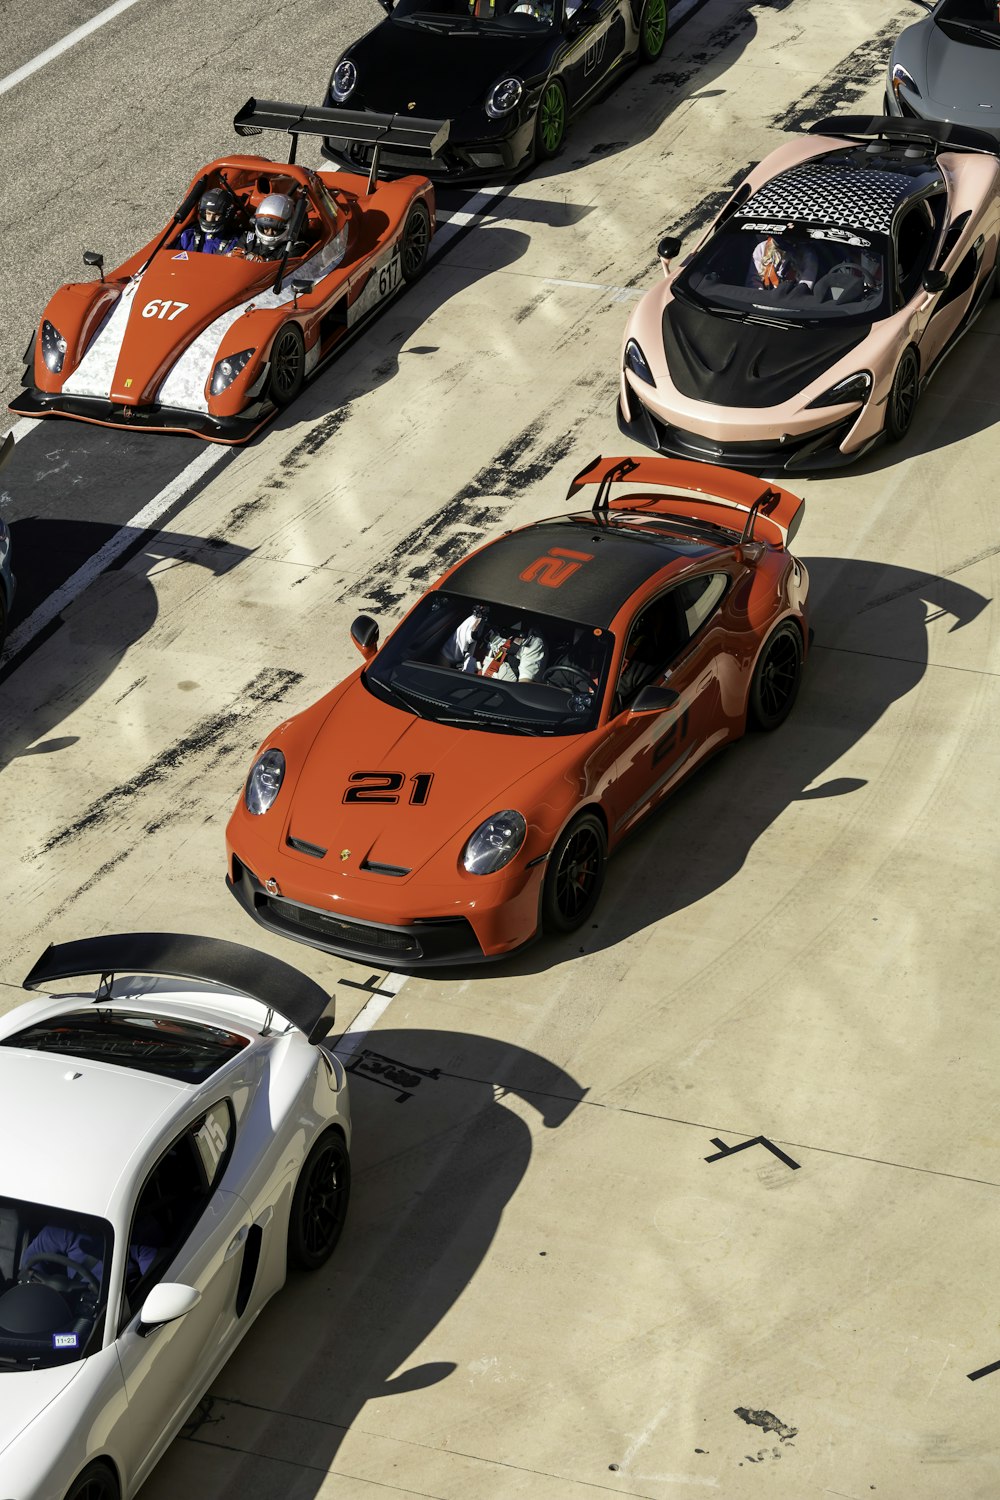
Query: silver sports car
{"x": 947, "y": 65}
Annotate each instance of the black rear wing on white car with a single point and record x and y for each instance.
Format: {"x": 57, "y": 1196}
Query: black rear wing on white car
{"x": 206, "y": 960}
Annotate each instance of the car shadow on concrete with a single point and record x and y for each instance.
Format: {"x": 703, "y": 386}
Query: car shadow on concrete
{"x": 40, "y": 692}
{"x": 870, "y": 650}
{"x": 443, "y": 1138}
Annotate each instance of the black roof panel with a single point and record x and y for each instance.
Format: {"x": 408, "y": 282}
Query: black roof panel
{"x": 522, "y": 568}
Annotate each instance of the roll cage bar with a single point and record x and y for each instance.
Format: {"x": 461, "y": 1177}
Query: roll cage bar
{"x": 206, "y": 960}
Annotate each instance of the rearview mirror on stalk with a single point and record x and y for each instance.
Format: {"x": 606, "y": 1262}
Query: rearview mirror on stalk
{"x": 94, "y": 258}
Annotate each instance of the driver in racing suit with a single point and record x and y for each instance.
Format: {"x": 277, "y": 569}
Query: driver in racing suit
{"x": 516, "y": 654}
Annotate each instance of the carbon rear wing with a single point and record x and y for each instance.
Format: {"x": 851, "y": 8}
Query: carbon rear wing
{"x": 920, "y": 132}
{"x": 400, "y": 132}
{"x": 206, "y": 960}
{"x": 722, "y": 497}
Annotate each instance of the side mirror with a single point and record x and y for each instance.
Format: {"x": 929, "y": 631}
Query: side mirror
{"x": 94, "y": 258}
{"x": 654, "y": 699}
{"x": 165, "y": 1304}
{"x": 584, "y": 18}
{"x": 668, "y": 248}
{"x": 301, "y": 287}
{"x": 364, "y": 634}
{"x": 935, "y": 281}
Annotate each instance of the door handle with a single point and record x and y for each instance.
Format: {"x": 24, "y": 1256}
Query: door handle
{"x": 237, "y": 1242}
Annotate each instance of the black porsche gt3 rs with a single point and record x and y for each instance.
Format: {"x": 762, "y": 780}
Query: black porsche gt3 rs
{"x": 508, "y": 74}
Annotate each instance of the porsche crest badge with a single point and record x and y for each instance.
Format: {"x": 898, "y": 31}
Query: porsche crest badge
{"x": 345, "y": 854}
{"x": 412, "y": 104}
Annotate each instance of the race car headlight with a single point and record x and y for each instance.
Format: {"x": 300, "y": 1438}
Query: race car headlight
{"x": 343, "y": 80}
{"x": 264, "y": 781}
{"x": 635, "y": 360}
{"x": 53, "y": 347}
{"x": 902, "y": 79}
{"x": 504, "y": 96}
{"x": 854, "y": 388}
{"x": 227, "y": 370}
{"x": 494, "y": 843}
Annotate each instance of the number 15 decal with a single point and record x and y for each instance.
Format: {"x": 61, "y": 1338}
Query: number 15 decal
{"x": 385, "y": 786}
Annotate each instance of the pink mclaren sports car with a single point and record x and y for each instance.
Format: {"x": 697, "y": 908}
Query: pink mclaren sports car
{"x": 809, "y": 318}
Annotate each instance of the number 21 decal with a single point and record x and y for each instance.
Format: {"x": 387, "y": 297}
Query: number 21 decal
{"x": 385, "y": 786}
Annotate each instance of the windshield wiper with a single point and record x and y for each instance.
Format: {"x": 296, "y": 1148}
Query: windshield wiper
{"x": 400, "y": 697}
{"x": 989, "y": 37}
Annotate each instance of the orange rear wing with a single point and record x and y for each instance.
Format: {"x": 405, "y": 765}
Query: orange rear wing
{"x": 753, "y": 508}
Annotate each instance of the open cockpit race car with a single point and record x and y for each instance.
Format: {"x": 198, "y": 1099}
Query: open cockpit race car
{"x": 803, "y": 327}
{"x": 176, "y": 1134}
{"x": 459, "y": 794}
{"x": 214, "y": 340}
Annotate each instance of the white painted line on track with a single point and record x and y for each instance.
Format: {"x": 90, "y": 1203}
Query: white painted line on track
{"x": 68, "y": 41}
{"x": 369, "y": 1015}
{"x": 143, "y": 520}
{"x": 451, "y": 223}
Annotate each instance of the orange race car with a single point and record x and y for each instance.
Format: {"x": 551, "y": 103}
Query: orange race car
{"x": 261, "y": 274}
{"x": 460, "y": 792}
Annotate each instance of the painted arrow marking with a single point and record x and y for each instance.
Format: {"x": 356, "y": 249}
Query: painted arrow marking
{"x": 758, "y": 1140}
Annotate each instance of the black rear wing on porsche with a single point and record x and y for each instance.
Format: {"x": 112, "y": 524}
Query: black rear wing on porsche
{"x": 276, "y": 985}
{"x": 400, "y": 132}
{"x": 751, "y": 508}
{"x": 920, "y": 132}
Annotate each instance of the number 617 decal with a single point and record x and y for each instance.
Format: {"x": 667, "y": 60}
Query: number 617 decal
{"x": 385, "y": 786}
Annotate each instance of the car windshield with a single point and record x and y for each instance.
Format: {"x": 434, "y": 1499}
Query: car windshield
{"x": 971, "y": 16}
{"x": 54, "y": 1270}
{"x": 188, "y": 1051}
{"x": 480, "y": 665}
{"x": 792, "y": 274}
{"x": 477, "y": 16}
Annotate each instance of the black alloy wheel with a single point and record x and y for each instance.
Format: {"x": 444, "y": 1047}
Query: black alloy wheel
{"x": 97, "y": 1482}
{"x": 776, "y": 677}
{"x": 902, "y": 402}
{"x": 319, "y": 1204}
{"x": 288, "y": 365}
{"x": 995, "y": 289}
{"x": 550, "y": 121}
{"x": 575, "y": 875}
{"x": 416, "y": 238}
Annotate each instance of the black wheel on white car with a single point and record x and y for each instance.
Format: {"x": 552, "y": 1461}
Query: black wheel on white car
{"x": 319, "y": 1203}
{"x": 902, "y": 402}
{"x": 288, "y": 365}
{"x": 97, "y": 1482}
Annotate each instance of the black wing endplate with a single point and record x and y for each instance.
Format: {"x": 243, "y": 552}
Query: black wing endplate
{"x": 185, "y": 956}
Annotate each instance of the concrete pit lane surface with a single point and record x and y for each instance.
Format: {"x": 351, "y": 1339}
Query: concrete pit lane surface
{"x": 702, "y": 1199}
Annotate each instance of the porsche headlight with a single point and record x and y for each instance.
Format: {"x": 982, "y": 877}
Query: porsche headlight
{"x": 264, "y": 781}
{"x": 227, "y": 370}
{"x": 343, "y": 80}
{"x": 53, "y": 347}
{"x": 902, "y": 79}
{"x": 635, "y": 360}
{"x": 853, "y": 388}
{"x": 494, "y": 843}
{"x": 504, "y": 96}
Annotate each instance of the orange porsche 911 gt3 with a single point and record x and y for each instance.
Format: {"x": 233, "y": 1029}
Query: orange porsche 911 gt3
{"x": 460, "y": 792}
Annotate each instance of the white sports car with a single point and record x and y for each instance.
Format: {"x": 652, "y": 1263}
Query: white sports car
{"x": 168, "y": 1148}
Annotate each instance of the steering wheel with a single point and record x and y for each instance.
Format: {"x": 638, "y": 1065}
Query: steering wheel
{"x": 29, "y": 1263}
{"x": 579, "y": 679}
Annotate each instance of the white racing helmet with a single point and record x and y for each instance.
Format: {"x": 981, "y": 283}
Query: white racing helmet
{"x": 272, "y": 220}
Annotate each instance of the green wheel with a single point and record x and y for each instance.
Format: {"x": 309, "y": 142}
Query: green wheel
{"x": 550, "y": 127}
{"x": 652, "y": 30}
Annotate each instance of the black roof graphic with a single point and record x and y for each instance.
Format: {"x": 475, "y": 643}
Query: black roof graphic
{"x": 839, "y": 192}
{"x": 610, "y": 565}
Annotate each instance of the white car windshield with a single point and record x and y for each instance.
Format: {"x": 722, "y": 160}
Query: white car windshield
{"x": 789, "y": 273}
{"x": 481, "y": 665}
{"x": 53, "y": 1284}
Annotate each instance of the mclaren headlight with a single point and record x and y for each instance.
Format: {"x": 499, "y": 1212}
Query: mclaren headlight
{"x": 635, "y": 361}
{"x": 343, "y": 81}
{"x": 264, "y": 782}
{"x": 53, "y": 347}
{"x": 227, "y": 370}
{"x": 504, "y": 96}
{"x": 494, "y": 843}
{"x": 901, "y": 79}
{"x": 854, "y": 388}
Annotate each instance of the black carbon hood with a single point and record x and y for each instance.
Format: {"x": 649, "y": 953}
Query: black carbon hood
{"x": 748, "y": 364}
